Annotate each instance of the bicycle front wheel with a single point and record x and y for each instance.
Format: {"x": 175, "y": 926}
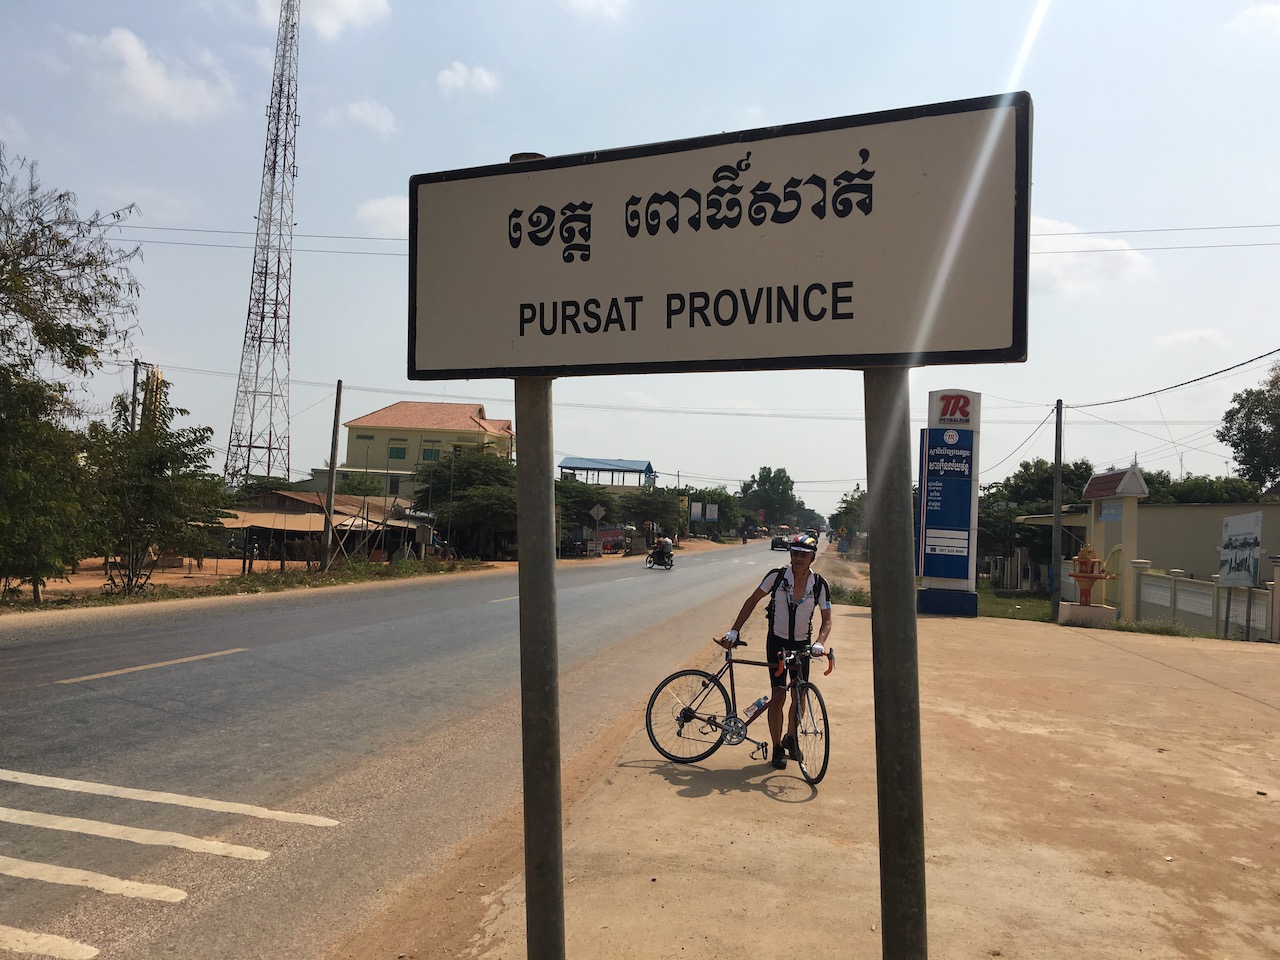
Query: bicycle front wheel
{"x": 811, "y": 734}
{"x": 684, "y": 714}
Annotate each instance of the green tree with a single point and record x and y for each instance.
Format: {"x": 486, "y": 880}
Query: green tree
{"x": 473, "y": 495}
{"x": 728, "y": 510}
{"x": 153, "y": 481}
{"x": 772, "y": 491}
{"x": 46, "y": 513}
{"x": 360, "y": 485}
{"x": 1199, "y": 489}
{"x": 851, "y": 513}
{"x": 257, "y": 484}
{"x": 576, "y": 501}
{"x": 1028, "y": 490}
{"x": 806, "y": 518}
{"x": 67, "y": 295}
{"x": 67, "y": 302}
{"x": 1251, "y": 428}
{"x": 651, "y": 504}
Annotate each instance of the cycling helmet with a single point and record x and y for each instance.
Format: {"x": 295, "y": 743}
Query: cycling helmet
{"x": 805, "y": 543}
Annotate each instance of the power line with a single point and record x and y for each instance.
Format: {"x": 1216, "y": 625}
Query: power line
{"x": 1152, "y": 393}
{"x": 396, "y": 253}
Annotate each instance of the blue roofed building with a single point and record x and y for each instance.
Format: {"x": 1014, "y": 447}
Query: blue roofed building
{"x": 616, "y": 476}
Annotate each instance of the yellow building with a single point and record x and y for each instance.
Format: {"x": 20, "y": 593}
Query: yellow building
{"x": 390, "y": 444}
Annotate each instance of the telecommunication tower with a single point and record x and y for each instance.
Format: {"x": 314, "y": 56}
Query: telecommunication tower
{"x": 259, "y": 443}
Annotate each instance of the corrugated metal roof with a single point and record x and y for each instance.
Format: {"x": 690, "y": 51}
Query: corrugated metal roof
{"x": 418, "y": 415}
{"x": 343, "y": 503}
{"x": 618, "y": 466}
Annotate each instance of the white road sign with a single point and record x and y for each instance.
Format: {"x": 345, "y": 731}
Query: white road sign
{"x": 889, "y": 238}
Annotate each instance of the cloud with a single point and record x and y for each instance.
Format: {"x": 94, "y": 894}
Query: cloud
{"x": 329, "y": 18}
{"x": 369, "y": 113}
{"x": 610, "y": 9}
{"x": 1206, "y": 336}
{"x": 385, "y": 216}
{"x": 1066, "y": 261}
{"x": 459, "y": 77}
{"x": 12, "y": 132}
{"x": 1257, "y": 18}
{"x": 142, "y": 84}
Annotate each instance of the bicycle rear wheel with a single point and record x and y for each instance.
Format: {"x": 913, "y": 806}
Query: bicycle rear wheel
{"x": 811, "y": 733}
{"x": 684, "y": 714}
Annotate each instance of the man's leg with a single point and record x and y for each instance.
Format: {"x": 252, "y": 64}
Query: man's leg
{"x": 776, "y": 697}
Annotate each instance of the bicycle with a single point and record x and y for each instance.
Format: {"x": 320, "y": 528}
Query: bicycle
{"x": 690, "y": 713}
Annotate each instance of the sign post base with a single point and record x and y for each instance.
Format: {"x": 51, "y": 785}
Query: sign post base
{"x": 951, "y": 603}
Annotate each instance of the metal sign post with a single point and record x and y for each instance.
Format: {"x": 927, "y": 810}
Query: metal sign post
{"x": 539, "y": 672}
{"x": 895, "y": 665}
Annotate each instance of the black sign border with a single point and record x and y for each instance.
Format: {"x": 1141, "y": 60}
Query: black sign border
{"x": 1016, "y": 352}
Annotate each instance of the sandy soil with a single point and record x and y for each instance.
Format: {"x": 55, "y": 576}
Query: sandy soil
{"x": 90, "y": 579}
{"x": 1087, "y": 794}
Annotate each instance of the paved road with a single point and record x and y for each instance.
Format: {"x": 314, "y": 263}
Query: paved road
{"x": 246, "y": 777}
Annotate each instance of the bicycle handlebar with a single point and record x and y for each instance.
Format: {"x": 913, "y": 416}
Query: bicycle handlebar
{"x": 829, "y": 654}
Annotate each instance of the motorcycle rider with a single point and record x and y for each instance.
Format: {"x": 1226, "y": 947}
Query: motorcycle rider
{"x": 662, "y": 548}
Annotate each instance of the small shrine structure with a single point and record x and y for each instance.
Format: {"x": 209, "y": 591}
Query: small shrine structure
{"x": 1113, "y": 536}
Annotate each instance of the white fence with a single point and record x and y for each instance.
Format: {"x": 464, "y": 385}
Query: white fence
{"x": 1236, "y": 613}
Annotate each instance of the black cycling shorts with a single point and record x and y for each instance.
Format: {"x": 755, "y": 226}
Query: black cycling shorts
{"x": 774, "y": 648}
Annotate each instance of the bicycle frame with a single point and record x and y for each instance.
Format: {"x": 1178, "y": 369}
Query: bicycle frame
{"x": 794, "y": 678}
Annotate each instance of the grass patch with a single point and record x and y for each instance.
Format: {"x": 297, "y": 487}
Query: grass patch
{"x": 849, "y": 596}
{"x": 1012, "y": 604}
{"x": 1164, "y": 628}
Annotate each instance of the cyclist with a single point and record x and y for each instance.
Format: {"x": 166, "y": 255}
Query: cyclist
{"x": 794, "y": 592}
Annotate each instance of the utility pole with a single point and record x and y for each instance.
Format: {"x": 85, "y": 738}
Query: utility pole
{"x": 133, "y": 402}
{"x": 1055, "y": 598}
{"x": 333, "y": 472}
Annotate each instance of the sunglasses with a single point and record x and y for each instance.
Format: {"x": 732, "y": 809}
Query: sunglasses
{"x": 802, "y": 553}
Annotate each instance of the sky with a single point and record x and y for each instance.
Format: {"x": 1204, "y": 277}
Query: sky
{"x": 1155, "y": 206}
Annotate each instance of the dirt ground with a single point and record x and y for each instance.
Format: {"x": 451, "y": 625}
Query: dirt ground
{"x": 89, "y": 578}
{"x": 1088, "y": 793}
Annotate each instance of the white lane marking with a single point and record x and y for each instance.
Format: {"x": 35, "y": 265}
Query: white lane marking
{"x": 152, "y": 666}
{"x": 44, "y": 945}
{"x": 116, "y": 831}
{"x": 624, "y": 579}
{"x": 156, "y": 796}
{"x": 49, "y": 873}
{"x": 505, "y": 599}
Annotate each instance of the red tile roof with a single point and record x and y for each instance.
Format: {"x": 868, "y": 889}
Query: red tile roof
{"x": 1113, "y": 483}
{"x": 416, "y": 415}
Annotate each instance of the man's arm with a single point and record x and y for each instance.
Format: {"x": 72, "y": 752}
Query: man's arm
{"x": 748, "y": 605}
{"x": 825, "y": 627}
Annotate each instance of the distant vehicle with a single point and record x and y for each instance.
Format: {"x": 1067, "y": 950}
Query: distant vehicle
{"x": 780, "y": 542}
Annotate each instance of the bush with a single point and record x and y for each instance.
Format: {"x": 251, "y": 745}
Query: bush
{"x": 850, "y": 596}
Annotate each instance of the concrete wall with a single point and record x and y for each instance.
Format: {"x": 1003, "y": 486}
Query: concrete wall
{"x": 1186, "y": 536}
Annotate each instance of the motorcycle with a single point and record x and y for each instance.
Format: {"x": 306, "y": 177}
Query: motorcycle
{"x": 655, "y": 559}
